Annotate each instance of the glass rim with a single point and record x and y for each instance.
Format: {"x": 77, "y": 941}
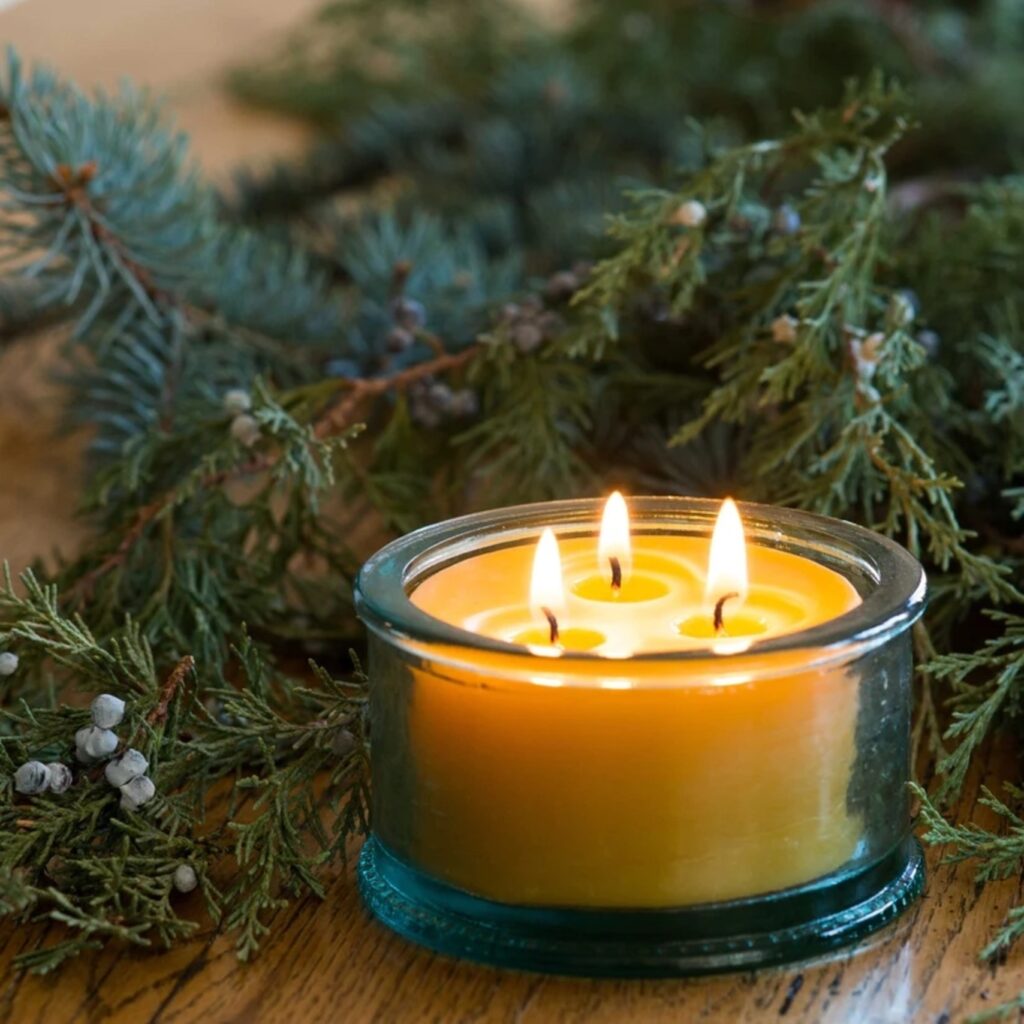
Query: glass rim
{"x": 388, "y": 577}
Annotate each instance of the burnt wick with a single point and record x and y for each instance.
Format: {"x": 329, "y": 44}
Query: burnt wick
{"x": 616, "y": 572}
{"x": 719, "y": 606}
{"x": 552, "y": 624}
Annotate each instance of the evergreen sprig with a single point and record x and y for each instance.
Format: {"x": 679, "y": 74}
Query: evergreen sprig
{"x": 986, "y": 687}
{"x": 523, "y": 261}
{"x": 998, "y": 854}
{"x": 106, "y": 873}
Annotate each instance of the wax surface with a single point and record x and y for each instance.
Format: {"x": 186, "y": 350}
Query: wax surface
{"x": 626, "y": 785}
{"x": 488, "y": 594}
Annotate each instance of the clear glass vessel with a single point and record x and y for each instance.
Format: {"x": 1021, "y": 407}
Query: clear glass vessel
{"x": 665, "y": 813}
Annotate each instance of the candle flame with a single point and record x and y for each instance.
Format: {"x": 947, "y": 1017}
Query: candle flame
{"x": 727, "y": 562}
{"x": 547, "y": 594}
{"x": 613, "y": 545}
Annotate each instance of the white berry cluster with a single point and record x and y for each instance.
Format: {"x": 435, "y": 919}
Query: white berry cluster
{"x": 34, "y": 777}
{"x": 128, "y": 774}
{"x": 244, "y": 427}
{"x": 97, "y": 742}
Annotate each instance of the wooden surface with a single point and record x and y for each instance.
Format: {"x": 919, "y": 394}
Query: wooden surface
{"x": 328, "y": 960}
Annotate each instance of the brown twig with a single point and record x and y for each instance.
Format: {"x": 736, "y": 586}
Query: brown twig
{"x": 73, "y": 183}
{"x": 145, "y": 515}
{"x": 335, "y": 419}
{"x": 170, "y": 688}
{"x": 158, "y": 714}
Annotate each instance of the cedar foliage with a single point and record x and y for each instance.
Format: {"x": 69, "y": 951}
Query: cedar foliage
{"x": 489, "y": 281}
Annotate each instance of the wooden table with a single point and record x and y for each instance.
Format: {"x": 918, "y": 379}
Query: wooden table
{"x": 329, "y": 960}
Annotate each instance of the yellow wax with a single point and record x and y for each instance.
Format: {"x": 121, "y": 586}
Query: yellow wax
{"x": 620, "y": 783}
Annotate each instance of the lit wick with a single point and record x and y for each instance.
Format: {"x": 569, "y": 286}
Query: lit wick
{"x": 613, "y": 548}
{"x": 616, "y": 573}
{"x": 552, "y": 625}
{"x": 719, "y": 605}
{"x": 547, "y": 594}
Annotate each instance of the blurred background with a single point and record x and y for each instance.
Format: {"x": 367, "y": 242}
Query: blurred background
{"x": 498, "y": 135}
{"x": 181, "y": 50}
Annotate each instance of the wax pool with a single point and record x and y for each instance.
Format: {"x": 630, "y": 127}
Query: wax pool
{"x": 622, "y": 783}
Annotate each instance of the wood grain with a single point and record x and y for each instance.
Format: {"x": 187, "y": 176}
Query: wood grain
{"x": 328, "y": 959}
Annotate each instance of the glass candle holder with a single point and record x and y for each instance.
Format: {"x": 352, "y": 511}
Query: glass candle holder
{"x": 663, "y": 813}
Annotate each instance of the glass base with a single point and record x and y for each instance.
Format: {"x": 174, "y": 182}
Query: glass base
{"x": 710, "y": 938}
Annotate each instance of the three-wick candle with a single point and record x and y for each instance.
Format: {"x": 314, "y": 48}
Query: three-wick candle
{"x": 622, "y": 783}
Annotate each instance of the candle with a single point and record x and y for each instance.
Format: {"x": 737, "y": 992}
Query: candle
{"x": 652, "y": 597}
{"x": 616, "y": 794}
{"x": 585, "y": 738}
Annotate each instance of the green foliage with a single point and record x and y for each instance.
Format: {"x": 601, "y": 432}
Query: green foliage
{"x": 986, "y": 686}
{"x": 80, "y": 859}
{"x": 522, "y": 261}
{"x": 536, "y": 413}
{"x": 998, "y": 854}
{"x": 359, "y": 51}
